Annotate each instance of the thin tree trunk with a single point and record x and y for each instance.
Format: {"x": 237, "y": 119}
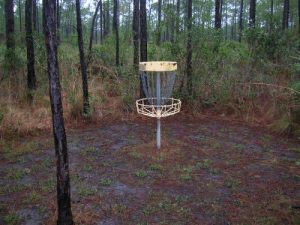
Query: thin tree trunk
{"x": 286, "y": 13}
{"x": 58, "y": 21}
{"x": 226, "y": 22}
{"x": 31, "y": 79}
{"x": 143, "y": 30}
{"x": 107, "y": 18}
{"x": 20, "y": 15}
{"x": 241, "y": 20}
{"x": 10, "y": 24}
{"x": 136, "y": 29}
{"x": 86, "y": 104}
{"x": 104, "y": 20}
{"x": 299, "y": 17}
{"x": 34, "y": 17}
{"x": 116, "y": 29}
{"x": 158, "y": 38}
{"x": 101, "y": 22}
{"x": 177, "y": 18}
{"x": 143, "y": 38}
{"x": 252, "y": 14}
{"x": 234, "y": 21}
{"x": 61, "y": 150}
{"x": 189, "y": 48}
{"x": 218, "y": 13}
{"x": 93, "y": 24}
{"x": 96, "y": 30}
{"x": 37, "y": 18}
{"x": 271, "y": 16}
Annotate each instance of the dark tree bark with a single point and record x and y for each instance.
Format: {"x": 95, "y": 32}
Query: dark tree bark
{"x": 226, "y": 23}
{"x": 299, "y": 17}
{"x": 58, "y": 21}
{"x": 93, "y": 24}
{"x": 286, "y": 14}
{"x": 96, "y": 30}
{"x": 116, "y": 29}
{"x": 173, "y": 22}
{"x": 34, "y": 15}
{"x": 20, "y": 15}
{"x": 233, "y": 27}
{"x": 101, "y": 22}
{"x": 107, "y": 18}
{"x": 271, "y": 16}
{"x": 143, "y": 38}
{"x": 252, "y": 13}
{"x": 177, "y": 18}
{"x": 189, "y": 48}
{"x": 136, "y": 29}
{"x": 104, "y": 20}
{"x": 31, "y": 79}
{"x": 86, "y": 104}
{"x": 61, "y": 150}
{"x": 143, "y": 31}
{"x": 241, "y": 20}
{"x": 158, "y": 38}
{"x": 10, "y": 24}
{"x": 218, "y": 14}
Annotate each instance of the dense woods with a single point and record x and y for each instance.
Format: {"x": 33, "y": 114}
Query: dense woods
{"x": 222, "y": 47}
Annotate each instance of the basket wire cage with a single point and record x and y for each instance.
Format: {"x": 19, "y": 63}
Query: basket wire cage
{"x": 158, "y": 79}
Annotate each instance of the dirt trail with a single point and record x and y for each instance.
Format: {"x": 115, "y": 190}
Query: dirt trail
{"x": 208, "y": 172}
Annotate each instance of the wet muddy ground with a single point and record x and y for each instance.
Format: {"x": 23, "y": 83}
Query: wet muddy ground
{"x": 207, "y": 172}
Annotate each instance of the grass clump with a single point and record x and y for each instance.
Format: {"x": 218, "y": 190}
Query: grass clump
{"x": 32, "y": 198}
{"x": 86, "y": 191}
{"x": 48, "y": 185}
{"x": 232, "y": 183}
{"x": 204, "y": 164}
{"x": 15, "y": 174}
{"x": 106, "y": 182}
{"x": 156, "y": 167}
{"x": 12, "y": 219}
{"x": 141, "y": 173}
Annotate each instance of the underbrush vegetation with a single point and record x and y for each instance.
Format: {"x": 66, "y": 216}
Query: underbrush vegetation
{"x": 258, "y": 82}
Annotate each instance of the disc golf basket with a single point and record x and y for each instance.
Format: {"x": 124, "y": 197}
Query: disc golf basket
{"x": 158, "y": 80}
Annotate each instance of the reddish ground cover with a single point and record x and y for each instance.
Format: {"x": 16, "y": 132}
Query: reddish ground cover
{"x": 207, "y": 172}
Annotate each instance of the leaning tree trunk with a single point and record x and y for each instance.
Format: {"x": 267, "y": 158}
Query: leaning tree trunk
{"x": 116, "y": 29}
{"x": 99, "y": 4}
{"x": 158, "y": 38}
{"x": 9, "y": 21}
{"x": 241, "y": 20}
{"x": 61, "y": 150}
{"x": 135, "y": 29}
{"x": 31, "y": 80}
{"x": 86, "y": 104}
{"x": 189, "y": 49}
{"x": 252, "y": 13}
{"x": 286, "y": 13}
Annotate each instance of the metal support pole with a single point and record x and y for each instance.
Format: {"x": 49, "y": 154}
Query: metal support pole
{"x": 158, "y": 136}
{"x": 158, "y": 95}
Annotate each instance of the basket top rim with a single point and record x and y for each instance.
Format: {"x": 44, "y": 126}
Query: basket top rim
{"x": 158, "y": 66}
